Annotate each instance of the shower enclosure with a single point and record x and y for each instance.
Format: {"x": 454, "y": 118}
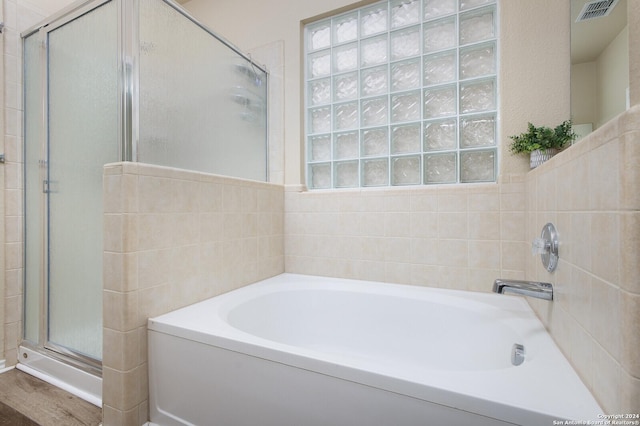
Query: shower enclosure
{"x": 108, "y": 81}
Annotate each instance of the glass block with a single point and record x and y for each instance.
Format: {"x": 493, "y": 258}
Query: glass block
{"x": 470, "y": 4}
{"x": 345, "y": 58}
{"x": 375, "y": 172}
{"x": 320, "y": 175}
{"x": 478, "y": 131}
{"x": 440, "y": 68}
{"x": 477, "y": 26}
{"x": 436, "y": 8}
{"x": 346, "y": 174}
{"x": 374, "y": 81}
{"x": 477, "y": 96}
{"x": 405, "y": 139}
{"x": 440, "y": 35}
{"x": 320, "y": 64}
{"x": 405, "y": 107}
{"x": 405, "y": 170}
{"x": 478, "y": 166}
{"x": 374, "y": 112}
{"x": 319, "y": 92}
{"x": 440, "y": 102}
{"x": 405, "y": 43}
{"x": 374, "y": 51}
{"x": 440, "y": 135}
{"x": 320, "y": 148}
{"x": 320, "y": 35}
{"x": 346, "y": 146}
{"x": 440, "y": 168}
{"x": 405, "y": 75}
{"x": 345, "y": 87}
{"x": 375, "y": 142}
{"x": 373, "y": 20}
{"x": 346, "y": 116}
{"x": 345, "y": 28}
{"x": 320, "y": 120}
{"x": 404, "y": 12}
{"x": 478, "y": 61}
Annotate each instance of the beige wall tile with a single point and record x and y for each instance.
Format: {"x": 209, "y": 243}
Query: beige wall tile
{"x": 423, "y": 224}
{"x": 605, "y": 250}
{"x": 120, "y": 310}
{"x": 580, "y": 297}
{"x": 453, "y": 225}
{"x": 629, "y": 249}
{"x": 605, "y": 310}
{"x": 397, "y": 224}
{"x": 121, "y": 390}
{"x": 454, "y": 278}
{"x": 581, "y": 242}
{"x": 606, "y": 380}
{"x": 512, "y": 227}
{"x": 514, "y": 255}
{"x": 112, "y": 193}
{"x": 113, "y": 271}
{"x": 153, "y": 267}
{"x": 484, "y": 201}
{"x": 122, "y": 349}
{"x": 453, "y": 253}
{"x": 210, "y": 197}
{"x": 482, "y": 279}
{"x": 581, "y": 353}
{"x": 484, "y": 255}
{"x": 605, "y": 176}
{"x": 629, "y": 169}
{"x": 513, "y": 201}
{"x": 484, "y": 225}
{"x": 448, "y": 202}
{"x": 629, "y": 393}
{"x": 630, "y": 337}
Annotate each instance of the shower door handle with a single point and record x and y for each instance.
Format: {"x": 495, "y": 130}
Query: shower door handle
{"x": 45, "y": 186}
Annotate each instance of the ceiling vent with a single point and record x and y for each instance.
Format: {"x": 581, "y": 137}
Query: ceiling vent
{"x": 596, "y": 9}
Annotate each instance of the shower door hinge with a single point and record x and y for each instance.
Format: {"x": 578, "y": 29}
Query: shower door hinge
{"x": 1, "y": 27}
{"x": 1, "y": 158}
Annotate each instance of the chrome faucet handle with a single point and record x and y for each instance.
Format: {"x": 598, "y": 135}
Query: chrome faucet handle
{"x": 547, "y": 247}
{"x": 539, "y": 246}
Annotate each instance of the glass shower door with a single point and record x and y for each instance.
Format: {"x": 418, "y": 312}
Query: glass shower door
{"x": 68, "y": 138}
{"x": 83, "y": 136}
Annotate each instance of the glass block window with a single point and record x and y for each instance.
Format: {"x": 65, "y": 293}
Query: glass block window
{"x": 402, "y": 92}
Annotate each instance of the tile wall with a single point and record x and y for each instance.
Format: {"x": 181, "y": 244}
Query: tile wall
{"x": 173, "y": 238}
{"x": 592, "y": 194}
{"x": 461, "y": 237}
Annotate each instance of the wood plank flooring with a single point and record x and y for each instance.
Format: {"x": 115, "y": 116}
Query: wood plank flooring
{"x": 37, "y": 403}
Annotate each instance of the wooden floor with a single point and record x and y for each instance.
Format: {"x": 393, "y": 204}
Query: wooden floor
{"x": 28, "y": 401}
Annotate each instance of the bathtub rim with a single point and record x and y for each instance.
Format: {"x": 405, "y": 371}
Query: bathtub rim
{"x": 440, "y": 390}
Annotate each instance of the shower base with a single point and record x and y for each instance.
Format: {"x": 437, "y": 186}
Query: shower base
{"x": 74, "y": 380}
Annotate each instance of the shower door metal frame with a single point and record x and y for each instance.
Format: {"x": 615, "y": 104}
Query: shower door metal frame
{"x": 125, "y": 88}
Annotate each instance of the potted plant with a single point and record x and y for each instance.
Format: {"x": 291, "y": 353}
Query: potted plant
{"x": 543, "y": 142}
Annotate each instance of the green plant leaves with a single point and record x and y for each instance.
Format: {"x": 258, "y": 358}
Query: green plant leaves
{"x": 542, "y": 138}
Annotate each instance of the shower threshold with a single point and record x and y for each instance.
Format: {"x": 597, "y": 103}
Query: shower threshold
{"x": 65, "y": 376}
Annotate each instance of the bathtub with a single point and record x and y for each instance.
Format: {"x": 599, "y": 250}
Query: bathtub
{"x": 304, "y": 351}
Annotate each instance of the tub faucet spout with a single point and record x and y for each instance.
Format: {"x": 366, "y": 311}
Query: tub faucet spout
{"x": 524, "y": 288}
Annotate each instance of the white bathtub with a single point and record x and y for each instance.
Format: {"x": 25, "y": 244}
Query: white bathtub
{"x": 301, "y": 350}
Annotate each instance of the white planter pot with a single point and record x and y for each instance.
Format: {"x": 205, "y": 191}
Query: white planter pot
{"x": 539, "y": 156}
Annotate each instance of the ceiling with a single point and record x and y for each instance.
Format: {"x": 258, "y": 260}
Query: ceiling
{"x": 589, "y": 38}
